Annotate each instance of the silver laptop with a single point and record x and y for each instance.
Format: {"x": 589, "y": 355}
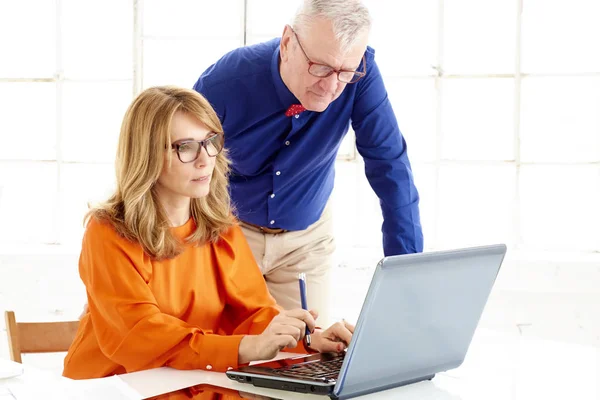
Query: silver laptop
{"x": 418, "y": 319}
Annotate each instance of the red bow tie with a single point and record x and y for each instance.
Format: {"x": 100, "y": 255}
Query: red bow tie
{"x": 294, "y": 110}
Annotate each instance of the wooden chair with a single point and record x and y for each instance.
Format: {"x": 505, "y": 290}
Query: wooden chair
{"x": 38, "y": 337}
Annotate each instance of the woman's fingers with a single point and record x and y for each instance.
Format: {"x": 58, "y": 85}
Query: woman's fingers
{"x": 339, "y": 332}
{"x": 303, "y": 316}
{"x": 348, "y": 326}
{"x": 294, "y": 331}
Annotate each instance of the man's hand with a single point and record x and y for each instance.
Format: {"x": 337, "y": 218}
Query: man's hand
{"x": 336, "y": 338}
{"x": 285, "y": 330}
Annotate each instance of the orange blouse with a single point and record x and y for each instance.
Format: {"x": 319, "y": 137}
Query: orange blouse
{"x": 189, "y": 312}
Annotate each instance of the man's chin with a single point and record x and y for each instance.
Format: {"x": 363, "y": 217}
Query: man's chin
{"x": 318, "y": 106}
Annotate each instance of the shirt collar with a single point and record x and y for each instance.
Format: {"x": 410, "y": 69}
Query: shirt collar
{"x": 285, "y": 96}
{"x": 184, "y": 230}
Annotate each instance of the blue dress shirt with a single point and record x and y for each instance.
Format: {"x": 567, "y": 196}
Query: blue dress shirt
{"x": 283, "y": 167}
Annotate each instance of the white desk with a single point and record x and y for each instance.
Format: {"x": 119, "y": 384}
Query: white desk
{"x": 498, "y": 367}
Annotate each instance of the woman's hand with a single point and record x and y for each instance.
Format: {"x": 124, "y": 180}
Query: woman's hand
{"x": 285, "y": 330}
{"x": 336, "y": 338}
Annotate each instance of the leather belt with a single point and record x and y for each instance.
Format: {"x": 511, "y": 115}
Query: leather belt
{"x": 263, "y": 229}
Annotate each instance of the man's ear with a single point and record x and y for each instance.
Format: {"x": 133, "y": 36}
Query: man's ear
{"x": 285, "y": 45}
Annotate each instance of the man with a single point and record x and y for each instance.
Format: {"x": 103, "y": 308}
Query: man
{"x": 285, "y": 106}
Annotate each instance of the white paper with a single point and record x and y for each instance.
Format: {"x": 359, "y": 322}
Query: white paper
{"x": 9, "y": 369}
{"x": 153, "y": 382}
{"x": 65, "y": 389}
{"x": 5, "y": 394}
{"x": 157, "y": 381}
{"x": 106, "y": 388}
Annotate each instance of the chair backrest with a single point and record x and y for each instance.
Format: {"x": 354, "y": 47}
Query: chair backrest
{"x": 38, "y": 337}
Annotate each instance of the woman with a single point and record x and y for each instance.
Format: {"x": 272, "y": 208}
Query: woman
{"x": 170, "y": 279}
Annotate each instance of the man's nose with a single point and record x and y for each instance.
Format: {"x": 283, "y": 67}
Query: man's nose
{"x": 330, "y": 83}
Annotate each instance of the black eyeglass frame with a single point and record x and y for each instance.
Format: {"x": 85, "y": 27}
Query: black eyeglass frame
{"x": 203, "y": 144}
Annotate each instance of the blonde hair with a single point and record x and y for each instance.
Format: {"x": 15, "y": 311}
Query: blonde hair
{"x": 134, "y": 209}
{"x": 350, "y": 18}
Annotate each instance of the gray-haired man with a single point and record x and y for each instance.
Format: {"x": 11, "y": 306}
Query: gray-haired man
{"x": 285, "y": 106}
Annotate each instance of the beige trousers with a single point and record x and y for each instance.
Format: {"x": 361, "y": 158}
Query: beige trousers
{"x": 281, "y": 257}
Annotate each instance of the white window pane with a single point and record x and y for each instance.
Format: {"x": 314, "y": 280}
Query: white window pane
{"x": 367, "y": 214}
{"x": 424, "y": 175}
{"x": 477, "y": 119}
{"x": 224, "y": 18}
{"x": 92, "y": 116}
{"x": 269, "y": 17}
{"x": 28, "y": 44}
{"x": 28, "y": 202}
{"x": 404, "y": 36}
{"x": 479, "y": 36}
{"x": 97, "y": 39}
{"x": 28, "y": 122}
{"x": 82, "y": 184}
{"x": 560, "y": 119}
{"x": 350, "y": 180}
{"x": 251, "y": 39}
{"x": 357, "y": 212}
{"x": 181, "y": 62}
{"x": 476, "y": 205}
{"x": 414, "y": 103}
{"x": 560, "y": 207}
{"x": 560, "y": 36}
{"x": 347, "y": 150}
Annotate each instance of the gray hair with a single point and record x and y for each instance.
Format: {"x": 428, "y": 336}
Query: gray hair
{"x": 350, "y": 18}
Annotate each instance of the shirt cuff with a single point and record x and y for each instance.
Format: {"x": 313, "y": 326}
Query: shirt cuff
{"x": 302, "y": 349}
{"x": 219, "y": 352}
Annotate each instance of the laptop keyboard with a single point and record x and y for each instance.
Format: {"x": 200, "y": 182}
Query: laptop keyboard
{"x": 329, "y": 369}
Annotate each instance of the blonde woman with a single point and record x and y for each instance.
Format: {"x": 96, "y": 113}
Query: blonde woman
{"x": 170, "y": 279}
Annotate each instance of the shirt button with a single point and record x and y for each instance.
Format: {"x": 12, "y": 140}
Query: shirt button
{"x": 272, "y": 222}
{"x": 297, "y": 116}
{"x": 209, "y": 367}
{"x": 272, "y": 195}
{"x": 287, "y": 142}
{"x": 278, "y": 173}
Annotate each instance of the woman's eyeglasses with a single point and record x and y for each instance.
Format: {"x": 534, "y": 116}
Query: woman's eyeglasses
{"x": 189, "y": 150}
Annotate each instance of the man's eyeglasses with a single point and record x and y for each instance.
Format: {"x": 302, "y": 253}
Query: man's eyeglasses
{"x": 323, "y": 70}
{"x": 189, "y": 150}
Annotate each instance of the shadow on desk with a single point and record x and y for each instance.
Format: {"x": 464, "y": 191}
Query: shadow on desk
{"x": 417, "y": 391}
{"x": 209, "y": 392}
